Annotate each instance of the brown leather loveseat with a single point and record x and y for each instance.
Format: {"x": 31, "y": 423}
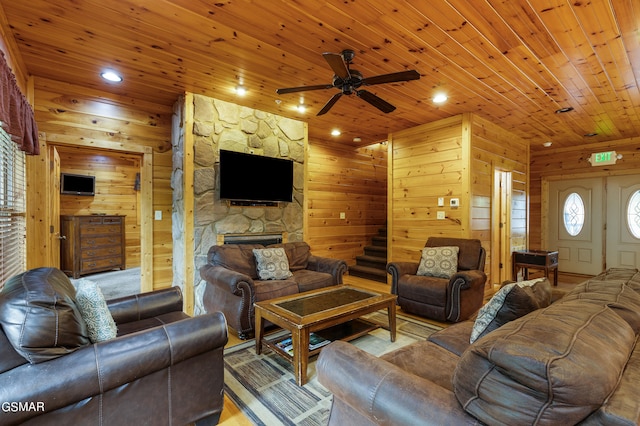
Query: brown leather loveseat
{"x": 233, "y": 283}
{"x": 163, "y": 368}
{"x": 576, "y": 361}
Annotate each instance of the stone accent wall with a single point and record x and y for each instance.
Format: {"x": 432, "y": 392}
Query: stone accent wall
{"x": 177, "y": 183}
{"x": 223, "y": 125}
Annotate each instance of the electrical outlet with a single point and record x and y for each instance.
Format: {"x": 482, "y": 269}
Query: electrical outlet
{"x": 440, "y": 201}
{"x": 454, "y": 202}
{"x": 343, "y": 215}
{"x": 158, "y": 215}
{"x": 440, "y": 215}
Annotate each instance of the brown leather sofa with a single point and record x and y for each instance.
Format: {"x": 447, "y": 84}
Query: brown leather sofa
{"x": 576, "y": 361}
{"x": 163, "y": 368}
{"x": 442, "y": 299}
{"x": 233, "y": 285}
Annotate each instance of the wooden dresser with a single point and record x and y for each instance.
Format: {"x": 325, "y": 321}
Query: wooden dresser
{"x": 91, "y": 243}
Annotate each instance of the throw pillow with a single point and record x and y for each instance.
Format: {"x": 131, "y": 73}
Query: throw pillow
{"x": 95, "y": 312}
{"x": 272, "y": 264}
{"x": 439, "y": 262}
{"x": 510, "y": 302}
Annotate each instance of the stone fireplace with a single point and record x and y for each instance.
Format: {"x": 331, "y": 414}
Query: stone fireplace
{"x": 222, "y": 125}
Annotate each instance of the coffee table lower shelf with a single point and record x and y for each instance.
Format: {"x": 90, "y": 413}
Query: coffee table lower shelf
{"x": 347, "y": 332}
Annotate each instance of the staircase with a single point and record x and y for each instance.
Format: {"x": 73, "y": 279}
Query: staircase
{"x": 372, "y": 264}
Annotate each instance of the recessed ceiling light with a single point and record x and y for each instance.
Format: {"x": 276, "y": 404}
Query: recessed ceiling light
{"x": 563, "y": 110}
{"x": 301, "y": 108}
{"x": 336, "y": 132}
{"x": 440, "y": 98}
{"x": 357, "y": 139}
{"x": 547, "y": 144}
{"x": 241, "y": 90}
{"x": 112, "y": 76}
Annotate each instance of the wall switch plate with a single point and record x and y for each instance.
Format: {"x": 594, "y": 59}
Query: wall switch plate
{"x": 342, "y": 215}
{"x": 440, "y": 215}
{"x": 158, "y": 215}
{"x": 440, "y": 201}
{"x": 454, "y": 202}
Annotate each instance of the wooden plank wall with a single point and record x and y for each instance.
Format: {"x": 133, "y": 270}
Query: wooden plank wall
{"x": 571, "y": 163}
{"x": 425, "y": 163}
{"x": 349, "y": 180}
{"x": 453, "y": 158}
{"x": 80, "y": 117}
{"x": 494, "y": 149}
{"x": 115, "y": 175}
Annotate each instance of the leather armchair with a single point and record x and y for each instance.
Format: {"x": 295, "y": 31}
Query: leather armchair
{"x": 163, "y": 368}
{"x": 442, "y": 299}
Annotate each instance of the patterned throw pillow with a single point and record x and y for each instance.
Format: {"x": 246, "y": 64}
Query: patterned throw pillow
{"x": 272, "y": 264}
{"x": 511, "y": 302}
{"x": 94, "y": 311}
{"x": 439, "y": 262}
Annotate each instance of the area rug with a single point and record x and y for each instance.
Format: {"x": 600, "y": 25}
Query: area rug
{"x": 264, "y": 388}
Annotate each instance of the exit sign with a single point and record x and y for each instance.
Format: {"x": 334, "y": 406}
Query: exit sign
{"x": 603, "y": 158}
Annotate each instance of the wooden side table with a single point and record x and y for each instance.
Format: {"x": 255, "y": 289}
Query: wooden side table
{"x": 535, "y": 259}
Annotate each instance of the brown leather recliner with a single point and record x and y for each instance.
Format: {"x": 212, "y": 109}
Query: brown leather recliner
{"x": 443, "y": 299}
{"x": 163, "y": 368}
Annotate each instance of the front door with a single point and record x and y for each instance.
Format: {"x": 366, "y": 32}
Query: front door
{"x": 576, "y": 225}
{"x": 623, "y": 222}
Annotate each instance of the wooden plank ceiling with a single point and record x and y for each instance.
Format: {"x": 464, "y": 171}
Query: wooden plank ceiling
{"x": 514, "y": 62}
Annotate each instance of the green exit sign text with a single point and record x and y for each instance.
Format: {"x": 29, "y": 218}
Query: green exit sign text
{"x": 603, "y": 158}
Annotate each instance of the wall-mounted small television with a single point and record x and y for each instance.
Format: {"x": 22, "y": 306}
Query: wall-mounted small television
{"x": 71, "y": 184}
{"x": 255, "y": 178}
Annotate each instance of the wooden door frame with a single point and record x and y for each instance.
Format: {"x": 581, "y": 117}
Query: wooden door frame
{"x": 501, "y": 227}
{"x": 54, "y": 207}
{"x": 146, "y": 203}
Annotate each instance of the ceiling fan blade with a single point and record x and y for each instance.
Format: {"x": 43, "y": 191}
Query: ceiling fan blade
{"x": 302, "y": 88}
{"x": 337, "y": 64}
{"x": 329, "y": 104}
{"x": 376, "y": 101}
{"x": 391, "y": 78}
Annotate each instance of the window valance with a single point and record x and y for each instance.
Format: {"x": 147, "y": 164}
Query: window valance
{"x": 16, "y": 113}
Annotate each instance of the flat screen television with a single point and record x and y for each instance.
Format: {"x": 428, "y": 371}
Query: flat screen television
{"x": 77, "y": 184}
{"x": 255, "y": 178}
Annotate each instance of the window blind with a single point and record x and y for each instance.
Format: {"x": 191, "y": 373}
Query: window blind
{"x": 12, "y": 208}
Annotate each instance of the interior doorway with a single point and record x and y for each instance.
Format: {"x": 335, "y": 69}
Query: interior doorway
{"x": 145, "y": 206}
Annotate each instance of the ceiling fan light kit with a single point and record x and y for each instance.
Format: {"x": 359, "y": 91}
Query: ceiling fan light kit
{"x": 349, "y": 81}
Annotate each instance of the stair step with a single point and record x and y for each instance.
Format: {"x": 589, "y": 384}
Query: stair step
{"x": 373, "y": 274}
{"x": 379, "y": 240}
{"x": 377, "y": 251}
{"x": 372, "y": 261}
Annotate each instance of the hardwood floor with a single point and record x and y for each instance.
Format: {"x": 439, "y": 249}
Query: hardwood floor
{"x": 232, "y": 415}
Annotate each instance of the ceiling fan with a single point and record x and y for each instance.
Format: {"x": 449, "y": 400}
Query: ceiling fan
{"x": 349, "y": 81}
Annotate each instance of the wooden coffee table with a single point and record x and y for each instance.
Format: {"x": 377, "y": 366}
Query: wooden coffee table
{"x": 318, "y": 310}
